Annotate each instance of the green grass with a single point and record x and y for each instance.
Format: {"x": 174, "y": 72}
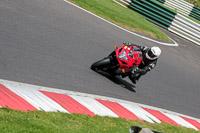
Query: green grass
{"x": 121, "y": 16}
{"x": 12, "y": 121}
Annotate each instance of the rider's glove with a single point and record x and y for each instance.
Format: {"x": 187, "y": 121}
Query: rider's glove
{"x": 143, "y": 48}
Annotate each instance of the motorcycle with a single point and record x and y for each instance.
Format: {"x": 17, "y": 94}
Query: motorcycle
{"x": 121, "y": 61}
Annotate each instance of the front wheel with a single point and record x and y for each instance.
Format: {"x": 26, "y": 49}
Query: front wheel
{"x": 101, "y": 64}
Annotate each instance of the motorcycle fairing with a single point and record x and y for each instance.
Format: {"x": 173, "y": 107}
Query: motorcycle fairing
{"x": 128, "y": 56}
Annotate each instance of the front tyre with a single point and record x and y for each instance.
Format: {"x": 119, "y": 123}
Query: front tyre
{"x": 100, "y": 64}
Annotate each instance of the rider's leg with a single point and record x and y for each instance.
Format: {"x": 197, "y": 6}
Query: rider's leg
{"x": 134, "y": 78}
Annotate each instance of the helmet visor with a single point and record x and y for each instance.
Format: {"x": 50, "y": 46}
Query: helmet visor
{"x": 150, "y": 53}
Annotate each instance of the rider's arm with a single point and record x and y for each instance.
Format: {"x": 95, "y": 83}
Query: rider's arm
{"x": 143, "y": 48}
{"x": 147, "y": 68}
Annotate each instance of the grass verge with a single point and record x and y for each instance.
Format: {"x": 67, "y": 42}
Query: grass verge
{"x": 12, "y": 121}
{"x": 121, "y": 16}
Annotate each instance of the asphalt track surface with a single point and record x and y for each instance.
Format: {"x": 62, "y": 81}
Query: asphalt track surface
{"x": 52, "y": 43}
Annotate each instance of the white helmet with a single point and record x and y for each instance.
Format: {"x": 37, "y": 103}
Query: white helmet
{"x": 153, "y": 53}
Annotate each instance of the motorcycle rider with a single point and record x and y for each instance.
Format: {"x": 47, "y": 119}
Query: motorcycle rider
{"x": 150, "y": 57}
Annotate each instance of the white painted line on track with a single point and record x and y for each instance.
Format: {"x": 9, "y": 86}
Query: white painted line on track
{"x": 162, "y": 43}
